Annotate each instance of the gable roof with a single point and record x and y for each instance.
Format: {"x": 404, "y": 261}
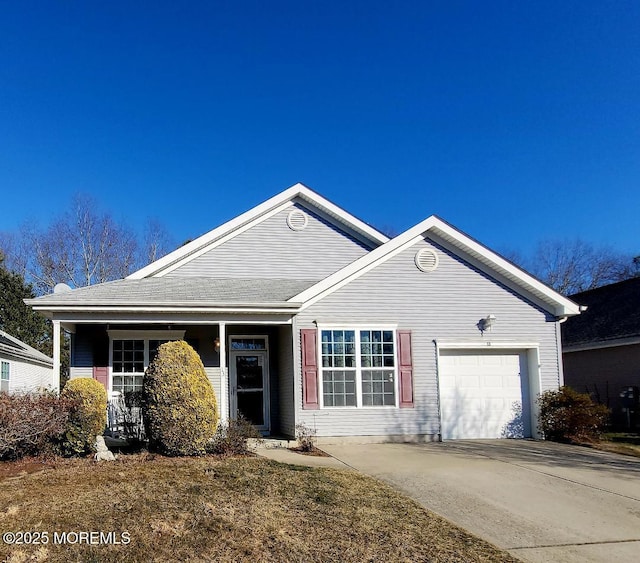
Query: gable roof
{"x": 149, "y": 290}
{"x": 361, "y": 230}
{"x": 612, "y": 315}
{"x": 11, "y": 346}
{"x": 474, "y": 252}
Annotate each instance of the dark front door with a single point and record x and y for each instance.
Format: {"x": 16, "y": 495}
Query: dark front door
{"x": 249, "y": 393}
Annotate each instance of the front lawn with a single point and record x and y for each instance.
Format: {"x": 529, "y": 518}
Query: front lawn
{"x": 620, "y": 443}
{"x": 206, "y": 509}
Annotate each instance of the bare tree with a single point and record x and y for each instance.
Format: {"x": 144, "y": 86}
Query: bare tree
{"x": 156, "y": 242}
{"x": 82, "y": 247}
{"x": 572, "y": 266}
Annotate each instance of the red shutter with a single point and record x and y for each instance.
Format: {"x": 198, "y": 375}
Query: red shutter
{"x": 101, "y": 375}
{"x": 309, "y": 368}
{"x": 405, "y": 365}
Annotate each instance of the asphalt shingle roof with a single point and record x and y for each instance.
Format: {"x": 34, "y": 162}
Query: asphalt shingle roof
{"x": 16, "y": 348}
{"x": 176, "y": 291}
{"x": 613, "y": 312}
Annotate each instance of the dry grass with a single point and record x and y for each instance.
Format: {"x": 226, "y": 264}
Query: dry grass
{"x": 239, "y": 509}
{"x": 620, "y": 443}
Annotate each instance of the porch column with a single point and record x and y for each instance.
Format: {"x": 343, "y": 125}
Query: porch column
{"x": 56, "y": 356}
{"x": 224, "y": 388}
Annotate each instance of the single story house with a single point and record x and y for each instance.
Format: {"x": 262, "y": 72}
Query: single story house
{"x": 601, "y": 347}
{"x": 23, "y": 368}
{"x": 303, "y": 313}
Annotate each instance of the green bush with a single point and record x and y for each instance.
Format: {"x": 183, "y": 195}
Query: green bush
{"x": 179, "y": 406}
{"x": 569, "y": 416}
{"x": 232, "y": 438}
{"x": 32, "y": 423}
{"x": 88, "y": 416}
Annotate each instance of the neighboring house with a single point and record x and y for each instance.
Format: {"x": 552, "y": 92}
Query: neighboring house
{"x": 601, "y": 347}
{"x": 303, "y": 313}
{"x": 23, "y": 368}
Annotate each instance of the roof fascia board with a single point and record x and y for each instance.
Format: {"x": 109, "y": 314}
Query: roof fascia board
{"x": 225, "y": 308}
{"x": 558, "y": 304}
{"x": 297, "y": 190}
{"x": 174, "y": 318}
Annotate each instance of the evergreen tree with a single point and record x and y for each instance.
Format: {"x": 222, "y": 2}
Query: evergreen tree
{"x": 18, "y": 319}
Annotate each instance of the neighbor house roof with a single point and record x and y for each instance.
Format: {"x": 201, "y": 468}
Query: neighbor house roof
{"x": 176, "y": 293}
{"x": 612, "y": 317}
{"x": 11, "y": 346}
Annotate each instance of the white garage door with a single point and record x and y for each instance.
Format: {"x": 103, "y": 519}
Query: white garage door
{"x": 484, "y": 394}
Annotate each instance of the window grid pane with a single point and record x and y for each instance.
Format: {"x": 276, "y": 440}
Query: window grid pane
{"x": 339, "y": 388}
{"x": 376, "y": 349}
{"x": 4, "y": 373}
{"x": 128, "y": 356}
{"x": 378, "y": 388}
{"x": 338, "y": 349}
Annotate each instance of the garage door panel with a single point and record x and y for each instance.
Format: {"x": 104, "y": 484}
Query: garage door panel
{"x": 482, "y": 394}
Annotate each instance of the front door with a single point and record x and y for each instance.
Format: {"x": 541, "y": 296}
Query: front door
{"x": 249, "y": 376}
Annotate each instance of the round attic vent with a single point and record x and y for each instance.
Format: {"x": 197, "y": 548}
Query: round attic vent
{"x": 297, "y": 220}
{"x": 426, "y": 260}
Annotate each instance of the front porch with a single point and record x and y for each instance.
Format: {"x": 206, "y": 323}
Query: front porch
{"x": 249, "y": 364}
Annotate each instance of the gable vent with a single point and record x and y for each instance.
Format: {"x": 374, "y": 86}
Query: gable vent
{"x": 426, "y": 260}
{"x": 297, "y": 220}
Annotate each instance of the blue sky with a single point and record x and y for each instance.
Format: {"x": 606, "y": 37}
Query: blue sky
{"x": 515, "y": 121}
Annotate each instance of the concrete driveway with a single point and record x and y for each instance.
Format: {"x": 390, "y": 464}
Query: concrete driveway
{"x": 538, "y": 500}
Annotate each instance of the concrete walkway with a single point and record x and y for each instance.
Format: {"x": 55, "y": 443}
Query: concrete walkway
{"x": 542, "y": 502}
{"x": 284, "y": 455}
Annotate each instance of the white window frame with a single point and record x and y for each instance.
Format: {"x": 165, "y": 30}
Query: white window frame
{"x": 145, "y": 336}
{"x": 356, "y": 328}
{"x": 5, "y": 382}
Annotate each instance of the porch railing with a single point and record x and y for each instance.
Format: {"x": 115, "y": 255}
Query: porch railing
{"x": 124, "y": 420}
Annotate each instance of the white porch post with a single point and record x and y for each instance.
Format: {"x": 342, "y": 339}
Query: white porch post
{"x": 56, "y": 356}
{"x": 224, "y": 388}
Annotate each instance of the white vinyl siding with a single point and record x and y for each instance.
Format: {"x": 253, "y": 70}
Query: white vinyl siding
{"x": 272, "y": 250}
{"x": 445, "y": 304}
{"x": 25, "y": 376}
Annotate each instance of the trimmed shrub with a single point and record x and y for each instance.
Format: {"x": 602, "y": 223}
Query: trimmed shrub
{"x": 569, "y": 416}
{"x": 88, "y": 416}
{"x": 179, "y": 406}
{"x": 232, "y": 438}
{"x": 31, "y": 424}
